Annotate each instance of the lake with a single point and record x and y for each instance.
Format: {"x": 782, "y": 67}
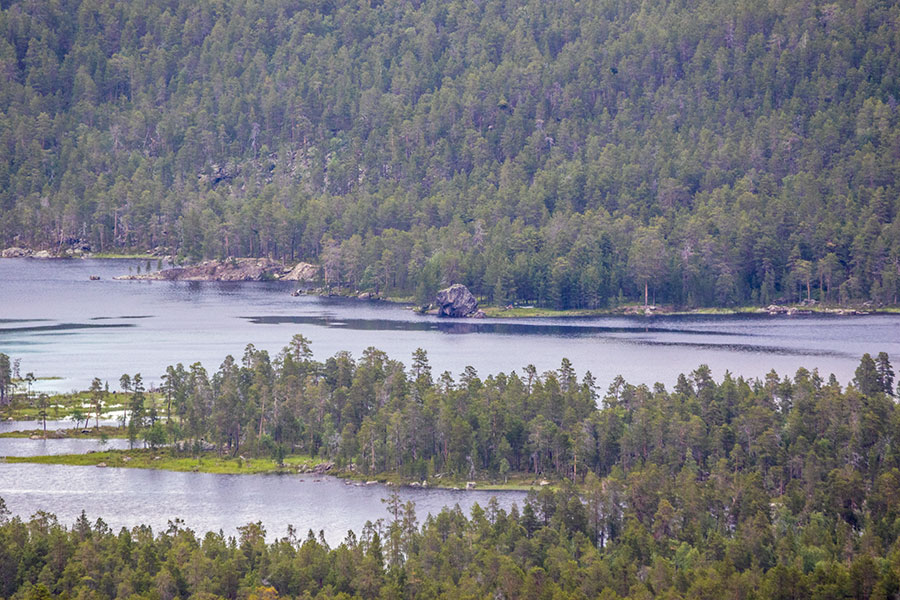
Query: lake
{"x": 29, "y": 447}
{"x": 211, "y": 502}
{"x": 205, "y": 502}
{"x": 61, "y": 324}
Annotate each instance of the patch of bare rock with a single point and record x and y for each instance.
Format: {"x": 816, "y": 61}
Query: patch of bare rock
{"x": 233, "y": 269}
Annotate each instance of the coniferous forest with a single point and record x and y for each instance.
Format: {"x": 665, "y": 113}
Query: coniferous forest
{"x": 564, "y": 153}
{"x": 782, "y": 488}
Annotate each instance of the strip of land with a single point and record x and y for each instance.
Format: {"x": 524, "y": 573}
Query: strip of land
{"x": 212, "y": 462}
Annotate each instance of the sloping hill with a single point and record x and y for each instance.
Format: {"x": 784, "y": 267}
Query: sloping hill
{"x": 567, "y": 153}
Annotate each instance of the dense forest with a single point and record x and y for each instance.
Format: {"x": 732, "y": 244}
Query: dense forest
{"x": 547, "y": 550}
{"x": 782, "y": 488}
{"x": 570, "y": 154}
{"x": 716, "y": 453}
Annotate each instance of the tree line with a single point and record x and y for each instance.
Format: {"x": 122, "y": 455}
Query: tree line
{"x": 783, "y": 487}
{"x": 804, "y": 444}
{"x": 570, "y": 154}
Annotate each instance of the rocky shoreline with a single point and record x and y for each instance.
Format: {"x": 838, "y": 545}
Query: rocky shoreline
{"x": 455, "y": 301}
{"x": 233, "y": 269}
{"x": 17, "y": 252}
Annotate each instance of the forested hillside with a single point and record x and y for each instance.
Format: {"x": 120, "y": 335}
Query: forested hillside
{"x": 564, "y": 153}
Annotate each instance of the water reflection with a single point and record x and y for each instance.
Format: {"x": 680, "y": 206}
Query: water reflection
{"x": 208, "y": 502}
{"x": 29, "y": 447}
{"x": 63, "y": 327}
{"x": 51, "y": 310}
{"x": 465, "y": 326}
{"x": 109, "y": 420}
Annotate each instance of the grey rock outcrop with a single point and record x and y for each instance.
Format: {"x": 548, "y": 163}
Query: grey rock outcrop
{"x": 15, "y": 252}
{"x": 456, "y": 301}
{"x": 302, "y": 272}
{"x": 232, "y": 269}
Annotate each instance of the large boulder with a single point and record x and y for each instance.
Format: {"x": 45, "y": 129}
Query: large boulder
{"x": 302, "y": 272}
{"x": 456, "y": 301}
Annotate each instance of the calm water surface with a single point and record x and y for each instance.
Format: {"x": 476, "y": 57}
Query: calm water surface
{"x": 61, "y": 324}
{"x": 207, "y": 502}
{"x": 52, "y": 425}
{"x": 29, "y": 447}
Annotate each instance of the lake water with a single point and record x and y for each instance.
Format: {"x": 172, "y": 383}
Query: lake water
{"x": 53, "y": 424}
{"x": 205, "y": 502}
{"x": 61, "y": 324}
{"x": 208, "y": 502}
{"x": 29, "y": 447}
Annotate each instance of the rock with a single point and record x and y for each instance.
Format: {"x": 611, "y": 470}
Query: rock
{"x": 101, "y": 465}
{"x": 231, "y": 269}
{"x": 322, "y": 468}
{"x": 34, "y": 437}
{"x": 544, "y": 482}
{"x": 15, "y": 252}
{"x": 371, "y": 482}
{"x": 126, "y": 458}
{"x": 478, "y": 314}
{"x": 456, "y": 301}
{"x": 42, "y": 254}
{"x": 302, "y": 272}
{"x": 365, "y": 296}
{"x": 470, "y": 485}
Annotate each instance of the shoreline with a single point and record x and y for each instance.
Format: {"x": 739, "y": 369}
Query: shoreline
{"x": 223, "y": 271}
{"x": 295, "y": 464}
{"x": 493, "y": 311}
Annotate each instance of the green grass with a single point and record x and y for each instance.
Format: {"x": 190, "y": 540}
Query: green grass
{"x": 637, "y": 309}
{"x": 63, "y": 406}
{"x": 516, "y": 482}
{"x": 162, "y": 459}
{"x": 400, "y": 299}
{"x": 534, "y": 312}
{"x": 117, "y": 255}
{"x": 25, "y": 413}
{"x": 210, "y": 462}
